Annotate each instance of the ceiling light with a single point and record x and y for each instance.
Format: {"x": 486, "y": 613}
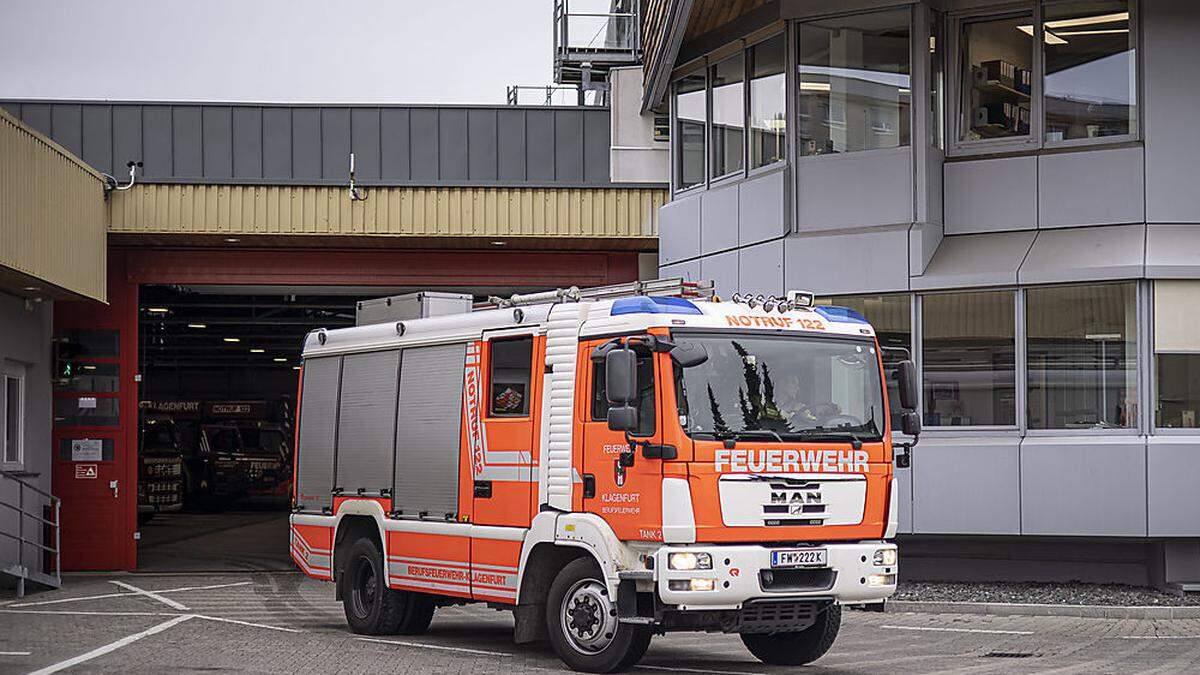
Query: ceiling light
{"x": 89, "y": 367}
{"x": 499, "y": 243}
{"x": 1088, "y": 20}
{"x": 232, "y": 339}
{"x": 1103, "y": 31}
{"x": 232, "y": 240}
{"x": 257, "y": 350}
{"x": 32, "y": 288}
{"x": 814, "y": 86}
{"x": 279, "y": 359}
{"x": 1050, "y": 38}
{"x": 295, "y": 367}
{"x": 197, "y": 325}
{"x": 157, "y": 310}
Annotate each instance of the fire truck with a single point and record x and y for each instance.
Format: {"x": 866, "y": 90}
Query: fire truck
{"x": 608, "y": 464}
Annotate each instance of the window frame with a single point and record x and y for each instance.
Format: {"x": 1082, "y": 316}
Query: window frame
{"x": 697, "y": 67}
{"x": 751, "y": 171}
{"x": 1035, "y": 141}
{"x": 492, "y": 339}
{"x": 13, "y": 371}
{"x": 1150, "y": 378}
{"x": 711, "y": 64}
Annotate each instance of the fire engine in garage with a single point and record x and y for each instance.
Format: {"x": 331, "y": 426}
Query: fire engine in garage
{"x": 608, "y": 464}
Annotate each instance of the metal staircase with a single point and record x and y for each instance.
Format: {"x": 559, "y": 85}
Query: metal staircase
{"x": 29, "y": 520}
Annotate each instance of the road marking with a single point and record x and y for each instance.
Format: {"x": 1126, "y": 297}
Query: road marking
{"x": 429, "y": 646}
{"x": 67, "y": 612}
{"x": 962, "y": 630}
{"x": 15, "y": 653}
{"x": 248, "y": 623}
{"x": 1155, "y": 637}
{"x": 112, "y": 646}
{"x": 151, "y": 594}
{"x": 698, "y": 670}
{"x": 122, "y": 595}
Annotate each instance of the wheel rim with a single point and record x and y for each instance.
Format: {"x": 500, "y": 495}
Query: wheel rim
{"x": 588, "y": 618}
{"x": 366, "y": 586}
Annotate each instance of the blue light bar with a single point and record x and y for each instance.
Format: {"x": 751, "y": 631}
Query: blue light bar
{"x": 644, "y": 304}
{"x": 841, "y": 314}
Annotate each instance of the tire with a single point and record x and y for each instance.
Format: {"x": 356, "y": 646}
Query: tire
{"x": 590, "y": 639}
{"x": 371, "y": 607}
{"x": 799, "y": 648}
{"x": 418, "y": 613}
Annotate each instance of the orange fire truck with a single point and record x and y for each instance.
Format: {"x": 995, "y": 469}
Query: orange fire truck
{"x": 607, "y": 464}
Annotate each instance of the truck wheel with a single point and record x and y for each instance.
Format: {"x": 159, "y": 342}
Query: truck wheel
{"x": 418, "y": 613}
{"x": 583, "y": 626}
{"x": 371, "y": 607}
{"x": 799, "y": 648}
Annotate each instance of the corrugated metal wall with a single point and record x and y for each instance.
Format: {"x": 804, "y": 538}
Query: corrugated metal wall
{"x": 503, "y": 146}
{"x": 52, "y": 213}
{"x": 389, "y": 211}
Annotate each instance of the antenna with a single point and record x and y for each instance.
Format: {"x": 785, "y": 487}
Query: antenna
{"x": 356, "y": 195}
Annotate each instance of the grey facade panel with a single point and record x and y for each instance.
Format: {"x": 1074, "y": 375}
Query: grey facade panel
{"x": 38, "y": 116}
{"x": 1172, "y": 251}
{"x": 722, "y": 268}
{"x": 511, "y": 145}
{"x": 597, "y": 138}
{"x": 394, "y": 147}
{"x": 423, "y": 138}
{"x": 763, "y": 208}
{"x": 974, "y": 260}
{"x": 318, "y": 433}
{"x": 1097, "y": 187}
{"x": 819, "y": 262}
{"x": 247, "y": 142}
{"x": 837, "y": 192}
{"x": 947, "y": 501}
{"x": 1169, "y": 51}
{"x": 991, "y": 195}
{"x": 539, "y": 156}
{"x": 335, "y": 143}
{"x": 760, "y": 268}
{"x": 218, "y": 142}
{"x": 1085, "y": 254}
{"x": 367, "y": 422}
{"x": 719, "y": 219}
{"x": 1083, "y": 485}
{"x": 903, "y": 482}
{"x": 453, "y": 141}
{"x": 481, "y": 130}
{"x": 568, "y": 146}
{"x": 97, "y": 137}
{"x": 277, "y": 143}
{"x": 306, "y": 144}
{"x": 1172, "y": 474}
{"x": 67, "y": 123}
{"x": 157, "y": 150}
{"x": 428, "y": 430}
{"x": 688, "y": 271}
{"x": 187, "y": 134}
{"x": 365, "y": 143}
{"x": 127, "y": 137}
{"x": 679, "y": 228}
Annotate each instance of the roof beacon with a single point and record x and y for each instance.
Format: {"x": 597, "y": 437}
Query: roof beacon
{"x": 801, "y": 298}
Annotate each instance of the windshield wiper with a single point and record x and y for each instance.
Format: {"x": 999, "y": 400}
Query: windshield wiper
{"x": 823, "y": 434}
{"x": 739, "y": 435}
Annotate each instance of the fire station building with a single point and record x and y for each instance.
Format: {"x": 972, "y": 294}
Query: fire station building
{"x": 1008, "y": 192}
{"x": 160, "y": 265}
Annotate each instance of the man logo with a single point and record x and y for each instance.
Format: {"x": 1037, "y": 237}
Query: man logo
{"x": 795, "y": 498}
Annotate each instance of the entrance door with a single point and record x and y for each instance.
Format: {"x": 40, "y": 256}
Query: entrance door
{"x": 95, "y": 429}
{"x": 632, "y": 502}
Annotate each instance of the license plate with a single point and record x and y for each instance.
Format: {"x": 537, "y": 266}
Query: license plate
{"x": 804, "y": 557}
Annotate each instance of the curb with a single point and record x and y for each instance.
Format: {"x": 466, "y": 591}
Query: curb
{"x": 1020, "y": 609}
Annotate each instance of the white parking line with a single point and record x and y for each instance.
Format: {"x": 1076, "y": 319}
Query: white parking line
{"x": 1155, "y": 637}
{"x": 67, "y": 612}
{"x": 112, "y": 646}
{"x": 15, "y": 653}
{"x": 150, "y": 594}
{"x": 697, "y": 670}
{"x": 122, "y": 595}
{"x": 248, "y": 623}
{"x": 987, "y": 631}
{"x": 423, "y": 645}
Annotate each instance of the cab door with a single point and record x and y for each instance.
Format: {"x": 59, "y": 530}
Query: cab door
{"x": 629, "y": 498}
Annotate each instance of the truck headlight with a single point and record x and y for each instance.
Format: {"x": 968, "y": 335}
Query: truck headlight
{"x": 885, "y": 557}
{"x": 686, "y": 560}
{"x": 691, "y": 584}
{"x": 877, "y": 580}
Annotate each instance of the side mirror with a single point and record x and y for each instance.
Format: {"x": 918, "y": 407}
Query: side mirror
{"x": 689, "y": 354}
{"x": 623, "y": 418}
{"x": 620, "y": 377}
{"x": 910, "y": 423}
{"x": 906, "y": 376}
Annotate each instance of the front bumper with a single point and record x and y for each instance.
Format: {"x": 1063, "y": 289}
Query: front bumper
{"x": 737, "y": 576}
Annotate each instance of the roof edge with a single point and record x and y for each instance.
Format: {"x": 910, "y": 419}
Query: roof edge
{"x": 678, "y": 16}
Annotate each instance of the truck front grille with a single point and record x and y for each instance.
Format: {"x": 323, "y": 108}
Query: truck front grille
{"x": 776, "y": 616}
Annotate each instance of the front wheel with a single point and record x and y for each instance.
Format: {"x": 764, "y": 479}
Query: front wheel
{"x": 583, "y": 626}
{"x": 799, "y": 648}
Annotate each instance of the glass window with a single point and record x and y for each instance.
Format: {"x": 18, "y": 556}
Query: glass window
{"x": 891, "y": 317}
{"x": 645, "y": 402}
{"x": 728, "y": 115}
{"x": 1090, "y": 83}
{"x": 937, "y": 79}
{"x": 511, "y": 363}
{"x": 969, "y": 359}
{"x": 1177, "y": 354}
{"x": 1081, "y": 348}
{"x": 689, "y": 130}
{"x": 997, "y": 77}
{"x": 854, "y": 83}
{"x": 781, "y": 387}
{"x": 87, "y": 411}
{"x": 14, "y": 416}
{"x": 768, "y": 122}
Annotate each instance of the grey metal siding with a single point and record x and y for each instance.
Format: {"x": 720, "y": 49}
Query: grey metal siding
{"x": 991, "y": 195}
{"x": 872, "y": 188}
{"x": 501, "y": 146}
{"x": 1083, "y": 485}
{"x": 367, "y": 422}
{"x": 947, "y": 501}
{"x": 1170, "y": 52}
{"x": 719, "y": 219}
{"x": 760, "y": 268}
{"x": 762, "y": 208}
{"x": 428, "y": 431}
{"x": 318, "y": 432}
{"x": 1096, "y": 187}
{"x": 723, "y": 270}
{"x": 1172, "y": 471}
{"x": 679, "y": 223}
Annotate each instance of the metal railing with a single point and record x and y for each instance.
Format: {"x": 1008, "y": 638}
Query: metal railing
{"x": 585, "y": 29}
{"x": 521, "y": 94}
{"x": 34, "y": 507}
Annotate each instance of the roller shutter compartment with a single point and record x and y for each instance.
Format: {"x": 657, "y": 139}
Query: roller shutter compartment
{"x": 428, "y": 431}
{"x": 318, "y": 433}
{"x": 366, "y": 423}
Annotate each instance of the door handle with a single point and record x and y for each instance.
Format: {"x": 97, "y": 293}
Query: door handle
{"x": 483, "y": 489}
{"x": 115, "y": 487}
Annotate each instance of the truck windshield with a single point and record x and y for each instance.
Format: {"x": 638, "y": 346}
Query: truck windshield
{"x": 781, "y": 388}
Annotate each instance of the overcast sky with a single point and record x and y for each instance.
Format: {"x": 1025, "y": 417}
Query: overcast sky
{"x": 371, "y": 51}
